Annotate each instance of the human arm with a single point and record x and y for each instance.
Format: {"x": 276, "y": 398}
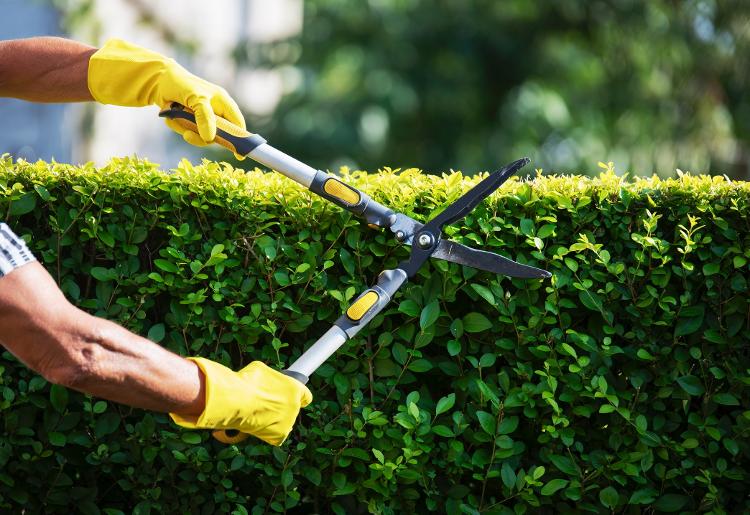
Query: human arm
{"x": 45, "y": 69}
{"x": 48, "y": 69}
{"x": 72, "y": 348}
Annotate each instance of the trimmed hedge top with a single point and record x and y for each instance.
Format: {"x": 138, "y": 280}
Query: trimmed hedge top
{"x": 619, "y": 384}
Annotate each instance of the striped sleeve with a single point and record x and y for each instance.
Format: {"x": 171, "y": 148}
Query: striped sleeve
{"x": 13, "y": 251}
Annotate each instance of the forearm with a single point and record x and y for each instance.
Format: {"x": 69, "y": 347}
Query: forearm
{"x": 115, "y": 364}
{"x": 77, "y": 350}
{"x": 45, "y": 69}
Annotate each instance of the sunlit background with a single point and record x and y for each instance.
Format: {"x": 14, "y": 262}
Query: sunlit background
{"x": 436, "y": 84}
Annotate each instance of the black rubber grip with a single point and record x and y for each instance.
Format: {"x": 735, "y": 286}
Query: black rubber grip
{"x": 242, "y": 146}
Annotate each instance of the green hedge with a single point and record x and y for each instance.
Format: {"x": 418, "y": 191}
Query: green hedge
{"x": 621, "y": 384}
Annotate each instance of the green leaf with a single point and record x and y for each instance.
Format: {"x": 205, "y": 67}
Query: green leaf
{"x": 690, "y": 443}
{"x": 378, "y": 455}
{"x": 58, "y": 397}
{"x": 281, "y": 278}
{"x": 488, "y": 393}
{"x": 643, "y": 496}
{"x": 445, "y": 403}
{"x": 508, "y": 425}
{"x": 156, "y": 333}
{"x": 103, "y": 274}
{"x": 569, "y": 349}
{"x": 106, "y": 424}
{"x": 711, "y": 269}
{"x": 691, "y": 319}
{"x": 591, "y": 300}
{"x": 354, "y": 452}
{"x": 409, "y": 307}
{"x": 106, "y": 238}
{"x": 508, "y": 475}
{"x": 641, "y": 424}
{"x": 347, "y": 489}
{"x": 726, "y": 399}
{"x": 414, "y": 411}
{"x": 429, "y": 315}
{"x": 476, "y": 323}
{"x": 57, "y": 439}
{"x": 42, "y": 192}
{"x": 485, "y": 293}
{"x": 671, "y": 502}
{"x": 420, "y": 365}
{"x": 442, "y": 430}
{"x": 487, "y": 421}
{"x": 553, "y": 486}
{"x": 651, "y": 439}
{"x": 165, "y": 265}
{"x": 527, "y": 227}
{"x": 564, "y": 464}
{"x": 730, "y": 445}
{"x": 457, "y": 328}
{"x": 644, "y": 354}
{"x": 691, "y": 384}
{"x": 192, "y": 438}
{"x": 399, "y": 353}
{"x": 488, "y": 359}
{"x": 609, "y": 497}
{"x": 23, "y": 205}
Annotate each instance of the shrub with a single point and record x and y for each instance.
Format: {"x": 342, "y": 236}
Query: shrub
{"x": 620, "y": 384}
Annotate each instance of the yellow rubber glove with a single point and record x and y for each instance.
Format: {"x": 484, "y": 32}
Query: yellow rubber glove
{"x": 124, "y": 74}
{"x": 256, "y": 400}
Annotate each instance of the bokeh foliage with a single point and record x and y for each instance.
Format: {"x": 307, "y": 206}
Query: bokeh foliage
{"x": 621, "y": 384}
{"x": 437, "y": 84}
{"x": 652, "y": 85}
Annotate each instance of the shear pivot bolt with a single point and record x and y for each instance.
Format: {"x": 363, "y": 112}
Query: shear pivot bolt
{"x": 400, "y": 236}
{"x": 425, "y": 240}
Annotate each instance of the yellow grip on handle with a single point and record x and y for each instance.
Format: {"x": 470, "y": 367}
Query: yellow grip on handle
{"x": 229, "y": 436}
{"x": 362, "y": 305}
{"x": 341, "y": 191}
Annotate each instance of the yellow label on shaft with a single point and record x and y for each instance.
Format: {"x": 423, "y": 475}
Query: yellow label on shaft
{"x": 341, "y": 191}
{"x": 357, "y": 310}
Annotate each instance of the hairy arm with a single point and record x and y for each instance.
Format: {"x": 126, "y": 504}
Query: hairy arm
{"x": 70, "y": 347}
{"x": 45, "y": 69}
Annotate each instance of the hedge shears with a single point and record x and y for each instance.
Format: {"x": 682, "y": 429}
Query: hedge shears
{"x": 425, "y": 239}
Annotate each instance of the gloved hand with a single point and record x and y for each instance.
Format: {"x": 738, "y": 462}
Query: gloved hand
{"x": 256, "y": 400}
{"x": 124, "y": 74}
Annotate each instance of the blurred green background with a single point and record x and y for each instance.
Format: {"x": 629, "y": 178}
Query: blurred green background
{"x": 651, "y": 85}
{"x": 468, "y": 85}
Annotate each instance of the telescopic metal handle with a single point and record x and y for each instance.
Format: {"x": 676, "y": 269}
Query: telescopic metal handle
{"x": 364, "y": 308}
